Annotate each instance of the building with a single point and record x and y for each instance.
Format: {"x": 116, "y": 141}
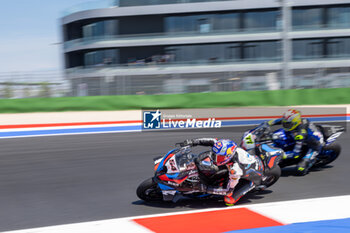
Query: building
{"x": 177, "y": 46}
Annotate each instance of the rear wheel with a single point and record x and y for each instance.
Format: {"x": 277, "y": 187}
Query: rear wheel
{"x": 149, "y": 191}
{"x": 329, "y": 154}
{"x": 272, "y": 176}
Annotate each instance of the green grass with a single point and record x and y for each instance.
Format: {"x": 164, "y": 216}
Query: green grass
{"x": 194, "y": 100}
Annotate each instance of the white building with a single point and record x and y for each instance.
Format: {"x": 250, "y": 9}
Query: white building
{"x": 176, "y": 46}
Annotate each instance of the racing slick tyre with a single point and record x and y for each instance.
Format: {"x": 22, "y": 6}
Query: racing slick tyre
{"x": 272, "y": 176}
{"x": 329, "y": 154}
{"x": 149, "y": 191}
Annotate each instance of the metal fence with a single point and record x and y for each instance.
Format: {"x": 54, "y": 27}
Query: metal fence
{"x": 55, "y": 84}
{"x": 34, "y": 84}
{"x": 206, "y": 82}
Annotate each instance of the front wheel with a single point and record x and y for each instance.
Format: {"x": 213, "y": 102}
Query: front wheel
{"x": 149, "y": 191}
{"x": 272, "y": 176}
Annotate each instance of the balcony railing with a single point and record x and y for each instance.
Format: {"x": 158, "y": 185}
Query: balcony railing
{"x": 155, "y": 65}
{"x": 171, "y": 35}
{"x": 166, "y": 35}
{"x": 113, "y": 69}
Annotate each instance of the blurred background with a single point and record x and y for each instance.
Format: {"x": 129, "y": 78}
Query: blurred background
{"x": 137, "y": 47}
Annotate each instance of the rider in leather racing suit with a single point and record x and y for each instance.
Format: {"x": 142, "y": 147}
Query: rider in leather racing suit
{"x": 304, "y": 133}
{"x": 240, "y": 164}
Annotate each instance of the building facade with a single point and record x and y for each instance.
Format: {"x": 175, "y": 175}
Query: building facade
{"x": 178, "y": 46}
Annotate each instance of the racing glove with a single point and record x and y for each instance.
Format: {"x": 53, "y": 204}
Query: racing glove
{"x": 188, "y": 142}
{"x": 198, "y": 142}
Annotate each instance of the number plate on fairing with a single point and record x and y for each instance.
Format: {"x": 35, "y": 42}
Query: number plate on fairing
{"x": 248, "y": 141}
{"x": 172, "y": 166}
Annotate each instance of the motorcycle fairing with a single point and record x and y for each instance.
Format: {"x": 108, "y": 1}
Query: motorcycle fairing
{"x": 165, "y": 187}
{"x": 332, "y": 138}
{"x": 272, "y": 155}
{"x": 283, "y": 139}
{"x": 173, "y": 178}
{"x": 160, "y": 165}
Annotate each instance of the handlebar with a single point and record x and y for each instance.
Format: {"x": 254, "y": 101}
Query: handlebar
{"x": 263, "y": 134}
{"x": 179, "y": 144}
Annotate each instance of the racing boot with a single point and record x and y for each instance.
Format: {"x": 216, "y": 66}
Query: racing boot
{"x": 229, "y": 200}
{"x": 232, "y": 197}
{"x": 303, "y": 167}
{"x": 306, "y": 163}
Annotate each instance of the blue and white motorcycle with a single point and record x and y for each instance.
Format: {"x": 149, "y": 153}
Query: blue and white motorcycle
{"x": 176, "y": 175}
{"x": 284, "y": 140}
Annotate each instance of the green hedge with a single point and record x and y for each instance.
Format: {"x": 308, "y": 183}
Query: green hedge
{"x": 194, "y": 100}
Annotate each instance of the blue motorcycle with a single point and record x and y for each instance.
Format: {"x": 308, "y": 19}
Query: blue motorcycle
{"x": 284, "y": 140}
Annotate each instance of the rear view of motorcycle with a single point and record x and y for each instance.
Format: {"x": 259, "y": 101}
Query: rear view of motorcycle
{"x": 284, "y": 140}
{"x": 177, "y": 175}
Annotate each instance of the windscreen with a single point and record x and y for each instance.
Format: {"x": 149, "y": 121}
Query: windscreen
{"x": 185, "y": 159}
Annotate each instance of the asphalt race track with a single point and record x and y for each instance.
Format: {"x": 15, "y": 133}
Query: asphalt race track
{"x": 67, "y": 179}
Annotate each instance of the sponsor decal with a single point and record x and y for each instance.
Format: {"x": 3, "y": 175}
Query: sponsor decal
{"x": 151, "y": 119}
{"x": 191, "y": 123}
{"x": 172, "y": 166}
{"x": 155, "y": 120}
{"x": 173, "y": 183}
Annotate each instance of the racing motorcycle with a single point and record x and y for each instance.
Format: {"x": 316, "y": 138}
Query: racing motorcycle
{"x": 284, "y": 140}
{"x": 177, "y": 175}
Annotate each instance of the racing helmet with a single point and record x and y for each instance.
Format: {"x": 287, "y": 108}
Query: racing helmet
{"x": 291, "y": 119}
{"x": 224, "y": 151}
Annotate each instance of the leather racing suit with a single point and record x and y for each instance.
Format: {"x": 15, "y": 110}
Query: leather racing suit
{"x": 242, "y": 167}
{"x": 306, "y": 134}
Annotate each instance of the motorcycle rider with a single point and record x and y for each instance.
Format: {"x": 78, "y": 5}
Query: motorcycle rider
{"x": 225, "y": 154}
{"x": 304, "y": 133}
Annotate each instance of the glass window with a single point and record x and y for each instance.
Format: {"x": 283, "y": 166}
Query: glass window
{"x": 101, "y": 57}
{"x": 174, "y": 24}
{"x": 307, "y": 18}
{"x": 267, "y": 50}
{"x": 307, "y": 49}
{"x": 339, "y": 47}
{"x": 210, "y": 53}
{"x": 111, "y": 27}
{"x": 89, "y": 58}
{"x": 206, "y": 53}
{"x": 233, "y": 51}
{"x": 338, "y": 17}
{"x": 101, "y": 28}
{"x": 261, "y": 20}
{"x": 204, "y": 25}
{"x": 226, "y": 22}
{"x": 190, "y": 23}
{"x": 88, "y": 30}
